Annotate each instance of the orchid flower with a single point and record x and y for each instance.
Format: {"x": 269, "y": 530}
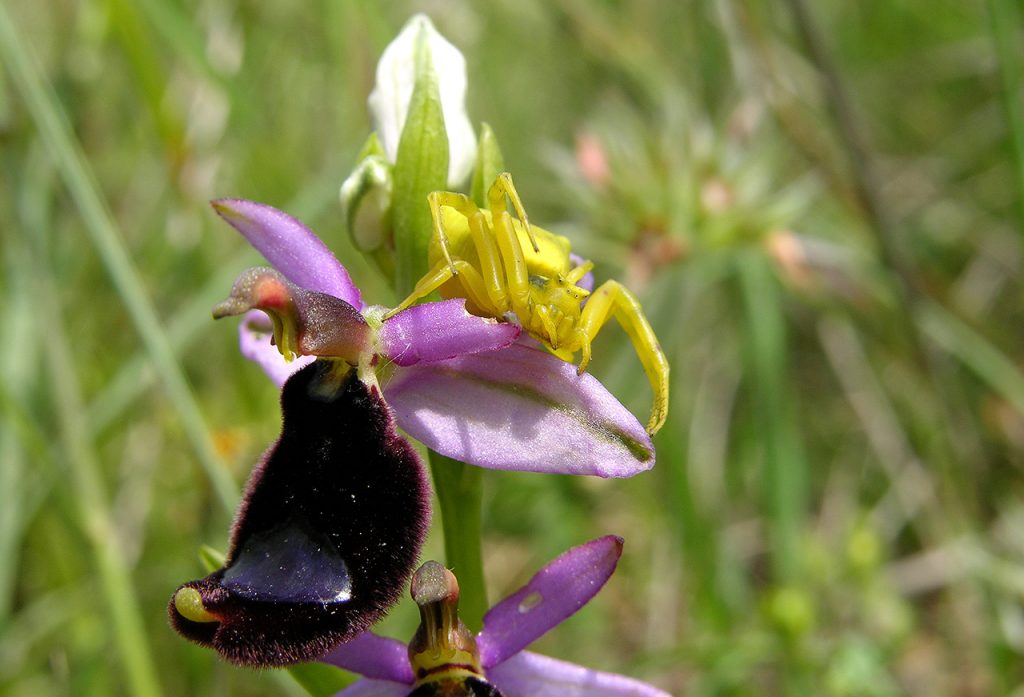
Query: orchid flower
{"x": 335, "y": 513}
{"x": 460, "y": 384}
{"x": 444, "y": 656}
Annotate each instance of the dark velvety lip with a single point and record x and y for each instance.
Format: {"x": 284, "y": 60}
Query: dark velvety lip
{"x": 327, "y": 534}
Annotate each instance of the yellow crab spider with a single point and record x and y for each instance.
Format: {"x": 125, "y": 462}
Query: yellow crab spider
{"x": 479, "y": 255}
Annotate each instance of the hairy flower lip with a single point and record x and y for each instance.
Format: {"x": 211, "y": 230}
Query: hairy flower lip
{"x": 461, "y": 384}
{"x": 555, "y": 593}
{"x": 327, "y": 534}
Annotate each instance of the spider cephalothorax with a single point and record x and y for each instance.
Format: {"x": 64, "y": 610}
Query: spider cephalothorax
{"x": 505, "y": 266}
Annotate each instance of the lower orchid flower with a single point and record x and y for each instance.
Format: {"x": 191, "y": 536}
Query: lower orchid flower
{"x": 445, "y": 658}
{"x": 462, "y": 385}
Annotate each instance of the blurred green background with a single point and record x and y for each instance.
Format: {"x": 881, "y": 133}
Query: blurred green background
{"x": 819, "y": 204}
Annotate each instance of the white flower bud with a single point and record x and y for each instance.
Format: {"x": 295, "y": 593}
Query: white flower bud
{"x": 396, "y": 73}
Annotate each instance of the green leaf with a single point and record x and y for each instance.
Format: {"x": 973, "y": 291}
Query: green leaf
{"x": 420, "y": 168}
{"x": 783, "y": 462}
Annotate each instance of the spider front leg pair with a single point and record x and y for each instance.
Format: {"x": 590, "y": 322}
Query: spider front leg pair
{"x": 480, "y": 250}
{"x": 502, "y": 265}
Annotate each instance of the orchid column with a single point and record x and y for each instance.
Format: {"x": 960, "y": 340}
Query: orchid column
{"x": 423, "y": 142}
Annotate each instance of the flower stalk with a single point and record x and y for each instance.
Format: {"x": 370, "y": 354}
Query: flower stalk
{"x": 459, "y": 491}
{"x": 422, "y": 166}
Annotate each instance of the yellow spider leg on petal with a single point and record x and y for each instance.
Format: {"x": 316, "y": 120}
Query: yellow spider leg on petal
{"x": 477, "y": 290}
{"x": 584, "y": 342}
{"x": 611, "y": 297}
{"x": 517, "y": 275}
{"x": 565, "y": 354}
{"x": 490, "y": 263}
{"x": 544, "y": 316}
{"x": 467, "y": 276}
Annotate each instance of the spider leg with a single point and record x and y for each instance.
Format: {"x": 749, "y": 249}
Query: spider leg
{"x": 501, "y": 188}
{"x": 613, "y": 298}
{"x": 468, "y": 277}
{"x": 576, "y": 275}
{"x": 490, "y": 263}
{"x": 544, "y": 316}
{"x": 491, "y": 270}
{"x": 517, "y": 275}
{"x": 436, "y": 199}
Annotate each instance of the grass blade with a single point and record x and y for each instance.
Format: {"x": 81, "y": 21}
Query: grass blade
{"x": 96, "y": 519}
{"x": 785, "y": 470}
{"x": 56, "y": 134}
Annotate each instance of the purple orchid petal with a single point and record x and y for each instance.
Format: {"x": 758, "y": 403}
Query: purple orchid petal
{"x": 442, "y": 330}
{"x": 291, "y": 247}
{"x": 519, "y": 409}
{"x": 554, "y": 593}
{"x": 255, "y": 340}
{"x": 376, "y": 688}
{"x": 373, "y": 656}
{"x": 532, "y": 675}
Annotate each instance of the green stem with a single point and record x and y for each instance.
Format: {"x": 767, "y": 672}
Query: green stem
{"x": 458, "y": 488}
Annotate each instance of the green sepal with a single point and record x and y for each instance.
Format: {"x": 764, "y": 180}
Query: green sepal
{"x": 371, "y": 147}
{"x": 320, "y": 679}
{"x": 489, "y": 164}
{"x": 211, "y": 559}
{"x": 421, "y": 167}
{"x": 366, "y": 205}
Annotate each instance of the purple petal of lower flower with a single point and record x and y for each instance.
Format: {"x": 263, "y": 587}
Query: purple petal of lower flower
{"x": 554, "y": 593}
{"x": 442, "y": 330}
{"x": 255, "y": 340}
{"x": 519, "y": 409}
{"x": 532, "y": 675}
{"x": 373, "y": 656}
{"x": 291, "y": 247}
{"x": 376, "y": 688}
